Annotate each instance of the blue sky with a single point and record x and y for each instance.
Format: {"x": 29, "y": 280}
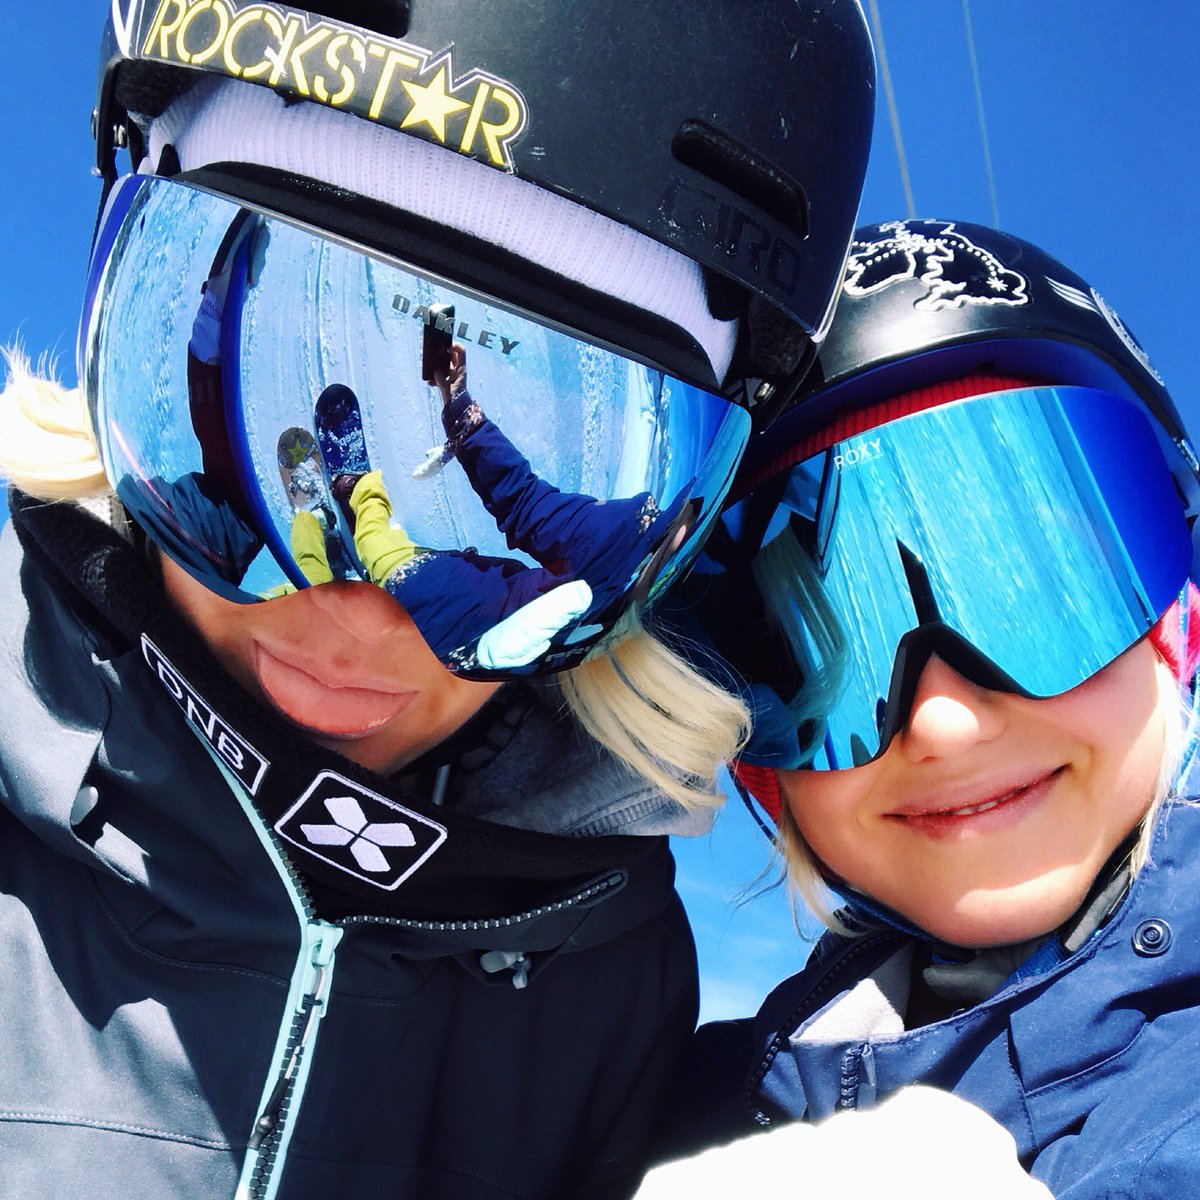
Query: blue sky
{"x": 1093, "y": 113}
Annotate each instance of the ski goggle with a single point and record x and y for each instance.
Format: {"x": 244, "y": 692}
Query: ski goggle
{"x": 1027, "y": 538}
{"x": 268, "y": 408}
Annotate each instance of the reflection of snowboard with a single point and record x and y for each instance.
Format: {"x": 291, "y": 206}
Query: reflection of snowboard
{"x": 343, "y": 453}
{"x": 300, "y": 470}
{"x": 303, "y": 482}
{"x": 338, "y": 421}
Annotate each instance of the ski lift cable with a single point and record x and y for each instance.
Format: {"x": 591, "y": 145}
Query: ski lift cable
{"x": 983, "y": 133}
{"x": 877, "y": 29}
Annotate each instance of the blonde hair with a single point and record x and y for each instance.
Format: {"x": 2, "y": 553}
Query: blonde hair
{"x": 658, "y": 714}
{"x": 639, "y": 700}
{"x": 810, "y": 888}
{"x": 1178, "y": 717}
{"x": 47, "y": 448}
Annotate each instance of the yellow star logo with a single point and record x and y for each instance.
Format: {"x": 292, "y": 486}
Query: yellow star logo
{"x": 432, "y": 105}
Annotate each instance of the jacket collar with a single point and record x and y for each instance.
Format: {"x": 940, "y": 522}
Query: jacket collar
{"x": 1006, "y": 1053}
{"x": 430, "y": 860}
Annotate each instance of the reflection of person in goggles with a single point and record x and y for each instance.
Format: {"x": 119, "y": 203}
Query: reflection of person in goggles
{"x": 954, "y": 582}
{"x": 205, "y": 480}
{"x": 326, "y": 917}
{"x": 589, "y": 552}
{"x": 575, "y": 538}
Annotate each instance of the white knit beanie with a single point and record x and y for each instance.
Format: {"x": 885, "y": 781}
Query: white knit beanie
{"x": 233, "y": 121}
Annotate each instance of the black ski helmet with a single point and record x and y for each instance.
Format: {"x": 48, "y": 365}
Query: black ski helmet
{"x": 737, "y": 137}
{"x": 928, "y": 311}
{"x": 925, "y": 302}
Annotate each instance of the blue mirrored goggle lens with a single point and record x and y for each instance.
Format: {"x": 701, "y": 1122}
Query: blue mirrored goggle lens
{"x": 259, "y": 398}
{"x": 1041, "y": 527}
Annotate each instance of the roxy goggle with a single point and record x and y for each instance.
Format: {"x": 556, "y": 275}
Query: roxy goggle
{"x": 267, "y": 406}
{"x": 1027, "y": 538}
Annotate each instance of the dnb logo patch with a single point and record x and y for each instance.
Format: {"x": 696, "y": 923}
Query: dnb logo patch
{"x": 954, "y": 270}
{"x": 391, "y": 82}
{"x": 359, "y": 831}
{"x": 224, "y": 741}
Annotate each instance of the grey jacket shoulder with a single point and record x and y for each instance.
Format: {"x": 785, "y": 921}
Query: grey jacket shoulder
{"x": 55, "y": 703}
{"x": 86, "y": 741}
{"x": 583, "y": 790}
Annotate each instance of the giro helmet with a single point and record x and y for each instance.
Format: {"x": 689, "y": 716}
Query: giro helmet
{"x": 744, "y": 152}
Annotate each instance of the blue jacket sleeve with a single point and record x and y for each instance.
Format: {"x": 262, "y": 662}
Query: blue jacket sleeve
{"x": 533, "y": 515}
{"x": 191, "y": 520}
{"x": 571, "y": 533}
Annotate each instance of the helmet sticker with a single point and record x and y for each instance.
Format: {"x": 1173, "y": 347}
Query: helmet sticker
{"x": 1092, "y": 301}
{"x": 123, "y": 24}
{"x": 359, "y": 831}
{"x": 391, "y": 82}
{"x": 956, "y": 271}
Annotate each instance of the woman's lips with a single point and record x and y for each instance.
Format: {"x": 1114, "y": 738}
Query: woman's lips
{"x": 997, "y": 809}
{"x": 342, "y": 711}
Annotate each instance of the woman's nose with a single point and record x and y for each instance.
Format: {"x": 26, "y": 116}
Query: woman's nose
{"x": 950, "y": 714}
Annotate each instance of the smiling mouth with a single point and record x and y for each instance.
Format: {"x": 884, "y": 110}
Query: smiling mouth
{"x": 937, "y": 816}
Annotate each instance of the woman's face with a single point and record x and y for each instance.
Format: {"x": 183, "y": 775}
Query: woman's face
{"x": 989, "y": 816}
{"x": 342, "y": 661}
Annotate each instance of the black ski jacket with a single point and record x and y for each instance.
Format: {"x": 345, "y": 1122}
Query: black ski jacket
{"x": 196, "y": 1004}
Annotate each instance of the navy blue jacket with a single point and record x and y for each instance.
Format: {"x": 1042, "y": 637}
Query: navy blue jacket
{"x": 1093, "y": 1065}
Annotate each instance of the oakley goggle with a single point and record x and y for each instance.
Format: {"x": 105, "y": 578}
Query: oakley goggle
{"x": 1027, "y": 538}
{"x": 278, "y": 409}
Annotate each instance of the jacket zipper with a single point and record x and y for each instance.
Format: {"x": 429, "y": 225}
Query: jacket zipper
{"x": 494, "y": 961}
{"x": 308, "y": 999}
{"x": 823, "y": 988}
{"x": 598, "y": 888}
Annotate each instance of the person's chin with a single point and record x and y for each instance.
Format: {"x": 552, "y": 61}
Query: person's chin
{"x": 1007, "y": 916}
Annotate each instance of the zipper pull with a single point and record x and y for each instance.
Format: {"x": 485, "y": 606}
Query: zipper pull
{"x": 269, "y": 1116}
{"x": 493, "y": 961}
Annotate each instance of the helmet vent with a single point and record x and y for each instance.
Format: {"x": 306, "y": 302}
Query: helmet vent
{"x": 735, "y": 166}
{"x": 387, "y": 17}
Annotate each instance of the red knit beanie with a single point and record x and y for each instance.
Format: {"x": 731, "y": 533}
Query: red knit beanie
{"x": 1167, "y": 637}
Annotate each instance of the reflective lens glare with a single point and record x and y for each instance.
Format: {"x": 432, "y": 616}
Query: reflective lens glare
{"x": 277, "y": 410}
{"x": 1027, "y": 537}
